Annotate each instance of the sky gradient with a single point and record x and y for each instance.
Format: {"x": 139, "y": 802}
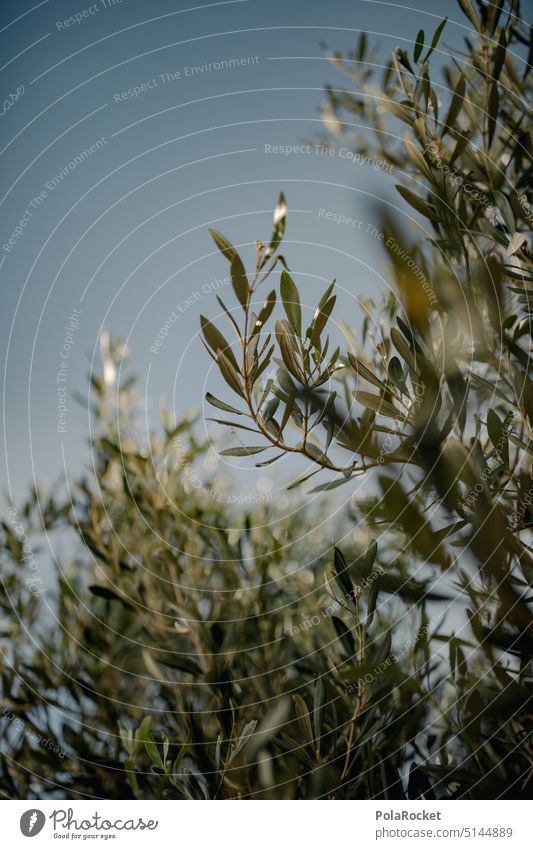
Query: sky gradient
{"x": 129, "y": 129}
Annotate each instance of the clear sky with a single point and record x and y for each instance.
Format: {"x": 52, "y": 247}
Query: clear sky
{"x": 117, "y": 238}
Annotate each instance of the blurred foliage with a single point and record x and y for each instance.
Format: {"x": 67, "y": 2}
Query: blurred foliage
{"x": 192, "y": 653}
{"x": 204, "y": 652}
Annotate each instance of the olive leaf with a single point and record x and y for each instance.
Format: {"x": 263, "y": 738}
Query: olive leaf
{"x": 217, "y": 342}
{"x": 291, "y": 302}
{"x": 237, "y": 271}
{"x": 419, "y": 45}
{"x": 378, "y": 405}
{"x": 436, "y": 38}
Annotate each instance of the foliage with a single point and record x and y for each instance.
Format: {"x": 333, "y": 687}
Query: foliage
{"x": 193, "y": 660}
{"x": 443, "y": 401}
{"x": 203, "y": 652}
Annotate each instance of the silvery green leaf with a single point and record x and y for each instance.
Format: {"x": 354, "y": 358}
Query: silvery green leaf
{"x": 291, "y": 302}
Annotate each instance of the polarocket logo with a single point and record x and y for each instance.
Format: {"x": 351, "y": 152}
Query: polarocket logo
{"x": 32, "y": 822}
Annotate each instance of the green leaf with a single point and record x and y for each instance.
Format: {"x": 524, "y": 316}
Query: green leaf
{"x": 493, "y": 110}
{"x": 327, "y": 408}
{"x": 183, "y": 663}
{"x": 181, "y": 754}
{"x": 345, "y": 636}
{"x": 493, "y": 15}
{"x": 506, "y": 211}
{"x": 403, "y": 349}
{"x": 417, "y": 158}
{"x": 468, "y": 9}
{"x": 223, "y": 245}
{"x": 372, "y": 601}
{"x": 280, "y": 217}
{"x": 456, "y": 104}
{"x": 525, "y": 446}
{"x": 287, "y": 348}
{"x": 320, "y": 320}
{"x": 300, "y": 708}
{"x": 270, "y": 409}
{"x": 109, "y": 595}
{"x": 230, "y": 317}
{"x": 370, "y": 555}
{"x": 269, "y": 728}
{"x": 216, "y": 341}
{"x": 419, "y": 45}
{"x": 221, "y": 405}
{"x": 265, "y": 312}
{"x": 299, "y": 481}
{"x": 365, "y": 372}
{"x": 396, "y": 375}
{"x": 315, "y": 452}
{"x": 246, "y": 733}
{"x": 361, "y": 46}
{"x": 142, "y": 734}
{"x": 400, "y": 112}
{"x": 417, "y": 203}
{"x": 237, "y": 272}
{"x": 126, "y": 738}
{"x": 229, "y": 374}
{"x": 232, "y": 424}
{"x": 243, "y": 451}
{"x": 403, "y": 59}
{"x": 329, "y": 485}
{"x": 517, "y": 242}
{"x": 499, "y": 55}
{"x": 378, "y": 405}
{"x": 435, "y": 40}
{"x": 325, "y": 297}
{"x": 497, "y": 431}
{"x": 262, "y": 365}
{"x": 419, "y": 785}
{"x": 319, "y": 707}
{"x": 153, "y": 751}
{"x": 291, "y": 302}
{"x": 269, "y": 462}
{"x": 239, "y": 280}
{"x": 341, "y": 573}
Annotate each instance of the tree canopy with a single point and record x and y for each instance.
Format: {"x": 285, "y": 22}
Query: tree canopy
{"x": 207, "y": 651}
